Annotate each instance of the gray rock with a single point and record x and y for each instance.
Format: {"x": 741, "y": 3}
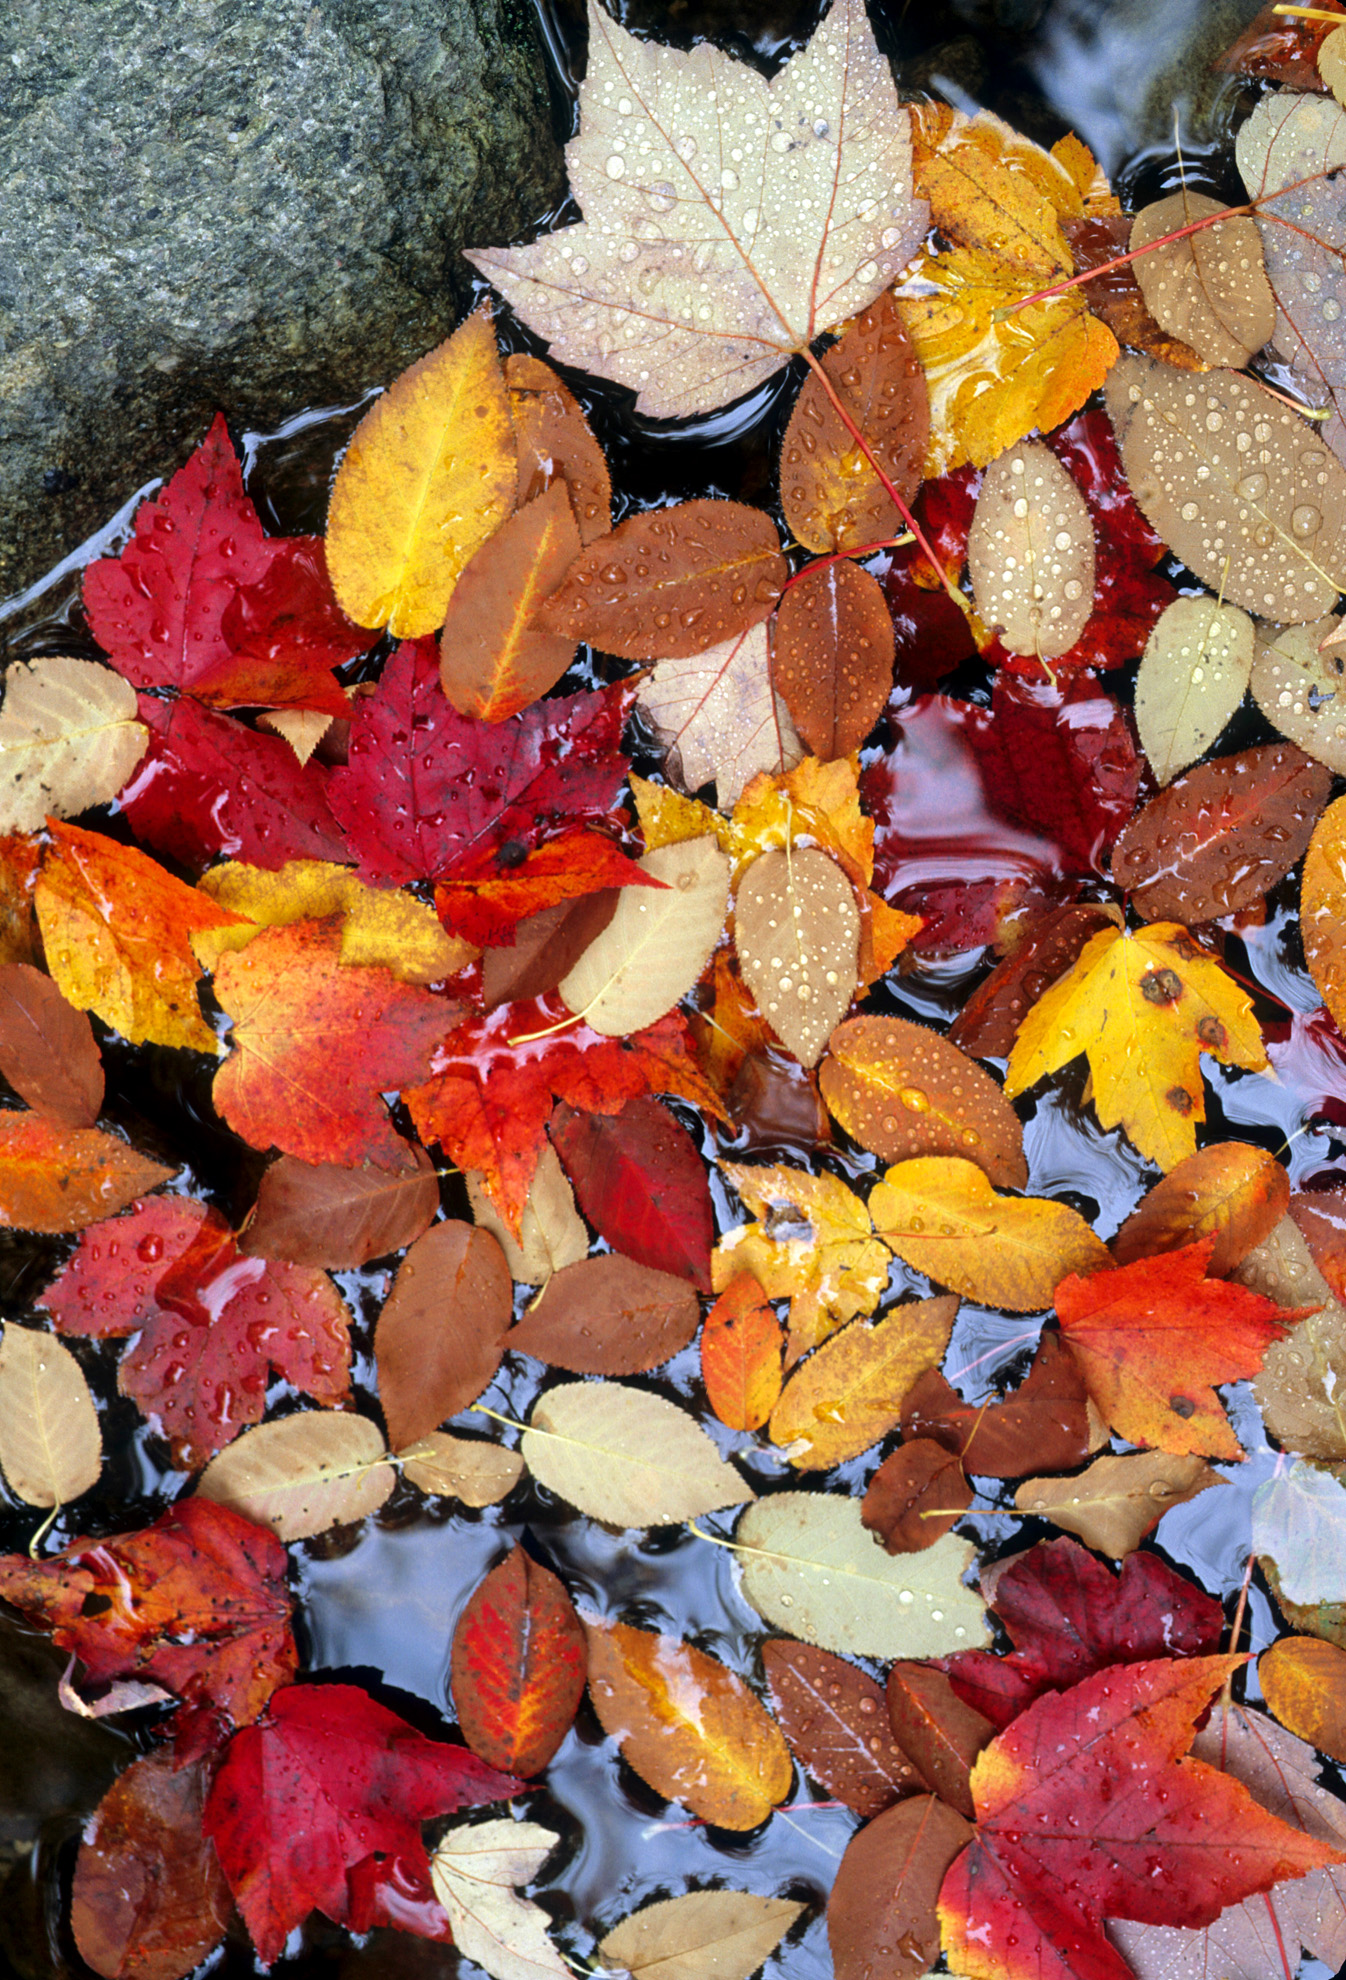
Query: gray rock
{"x": 254, "y": 204}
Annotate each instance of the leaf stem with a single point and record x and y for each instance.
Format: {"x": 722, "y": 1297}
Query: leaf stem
{"x": 845, "y": 556}
{"x": 1310, "y": 13}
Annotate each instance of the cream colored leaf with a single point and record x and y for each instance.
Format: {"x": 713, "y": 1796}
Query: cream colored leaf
{"x": 626, "y": 1457}
{"x": 68, "y": 739}
{"x": 1193, "y": 675}
{"x": 1239, "y": 486}
{"x": 724, "y": 1934}
{"x": 553, "y": 1233}
{"x": 656, "y": 944}
{"x": 466, "y": 1468}
{"x": 1332, "y": 63}
{"x": 302, "y": 728}
{"x": 728, "y": 220}
{"x": 811, "y": 1569}
{"x": 1302, "y": 691}
{"x": 1210, "y": 289}
{"x": 719, "y": 718}
{"x": 51, "y": 1448}
{"x": 1113, "y": 1502}
{"x": 797, "y": 931}
{"x": 850, "y": 1393}
{"x": 1301, "y": 1385}
{"x": 473, "y": 1873}
{"x": 301, "y": 1474}
{"x": 1030, "y": 552}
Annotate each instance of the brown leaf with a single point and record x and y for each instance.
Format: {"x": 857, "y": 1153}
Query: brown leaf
{"x": 671, "y": 582}
{"x": 915, "y": 1497}
{"x": 608, "y": 1316}
{"x": 47, "y": 1049}
{"x": 797, "y": 930}
{"x": 546, "y": 947}
{"x": 322, "y": 1214}
{"x": 881, "y": 1916}
{"x": 901, "y": 1089}
{"x": 832, "y": 498}
{"x": 441, "y": 1333}
{"x": 1301, "y": 1387}
{"x": 1232, "y": 1191}
{"x": 1030, "y": 553}
{"x": 55, "y": 1178}
{"x": 1043, "y": 1425}
{"x": 1220, "y": 837}
{"x": 848, "y": 1395}
{"x": 832, "y": 662}
{"x": 939, "y": 1733}
{"x": 1115, "y": 1501}
{"x": 555, "y": 441}
{"x": 1115, "y": 298}
{"x": 1321, "y": 1217}
{"x": 1209, "y": 289}
{"x": 989, "y": 1022}
{"x": 688, "y": 1725}
{"x": 493, "y": 660}
{"x": 836, "y": 1720}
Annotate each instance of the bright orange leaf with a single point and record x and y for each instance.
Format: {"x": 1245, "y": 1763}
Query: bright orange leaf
{"x": 55, "y": 1178}
{"x": 741, "y": 1345}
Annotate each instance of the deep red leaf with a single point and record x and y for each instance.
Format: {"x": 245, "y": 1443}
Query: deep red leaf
{"x": 640, "y": 1181}
{"x": 489, "y": 896}
{"x": 286, "y": 633}
{"x": 519, "y": 1662}
{"x": 836, "y": 1720}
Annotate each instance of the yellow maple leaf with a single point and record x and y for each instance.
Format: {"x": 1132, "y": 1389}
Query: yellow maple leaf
{"x": 381, "y": 927}
{"x": 815, "y": 1246}
{"x": 1142, "y": 1007}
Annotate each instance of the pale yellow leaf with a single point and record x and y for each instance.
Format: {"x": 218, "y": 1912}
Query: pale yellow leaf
{"x": 466, "y": 1468}
{"x": 68, "y": 739}
{"x": 301, "y": 1474}
{"x": 381, "y": 927}
{"x": 656, "y": 944}
{"x": 626, "y": 1457}
{"x": 51, "y": 1448}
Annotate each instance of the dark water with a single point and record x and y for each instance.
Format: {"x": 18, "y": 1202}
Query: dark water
{"x": 378, "y": 1603}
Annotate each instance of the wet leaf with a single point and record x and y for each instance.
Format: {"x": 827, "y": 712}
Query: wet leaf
{"x": 1044, "y": 1422}
{"x": 51, "y": 1446}
{"x": 626, "y": 1457}
{"x": 465, "y": 1468}
{"x": 797, "y": 928}
{"x": 443, "y": 1327}
{"x": 493, "y": 660}
{"x": 1210, "y": 288}
{"x": 1322, "y": 904}
{"x": 1265, "y": 525}
{"x": 1302, "y": 1387}
{"x": 554, "y": 440}
{"x": 553, "y": 1233}
{"x": 1299, "y": 688}
{"x": 323, "y": 1214}
{"x": 937, "y": 1731}
{"x": 1281, "y": 48}
{"x": 656, "y": 944}
{"x": 741, "y": 1348}
{"x": 729, "y": 1932}
{"x": 1031, "y": 553}
{"x": 814, "y": 1246}
{"x": 850, "y": 1392}
{"x": 1332, "y": 63}
{"x": 301, "y": 1474}
{"x": 1115, "y": 1501}
{"x": 719, "y": 717}
{"x": 429, "y": 474}
{"x": 485, "y": 903}
{"x": 1321, "y": 1217}
{"x": 608, "y": 1316}
{"x": 902, "y": 1090}
{"x": 1231, "y": 1191}
{"x": 1298, "y": 1521}
{"x": 518, "y": 1665}
{"x": 1193, "y": 676}
{"x": 55, "y": 1178}
{"x": 940, "y": 1214}
{"x": 1142, "y": 1007}
{"x": 836, "y": 1719}
{"x": 989, "y": 1021}
{"x": 783, "y": 251}
{"x": 47, "y": 1048}
{"x": 68, "y": 739}
{"x": 641, "y": 1183}
{"x": 810, "y": 1567}
{"x": 915, "y": 1497}
{"x": 832, "y": 658}
{"x": 881, "y": 1914}
{"x": 1304, "y": 1683}
{"x": 473, "y": 1873}
{"x": 688, "y": 1725}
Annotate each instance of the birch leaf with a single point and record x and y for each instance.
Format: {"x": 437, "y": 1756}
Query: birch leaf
{"x": 51, "y": 1448}
{"x": 68, "y": 739}
{"x": 626, "y": 1457}
{"x": 1210, "y": 289}
{"x": 473, "y": 1873}
{"x": 301, "y": 1474}
{"x": 655, "y": 946}
{"x": 1193, "y": 675}
{"x": 797, "y": 930}
{"x": 1030, "y": 552}
{"x": 724, "y": 1933}
{"x": 696, "y": 271}
{"x": 719, "y": 718}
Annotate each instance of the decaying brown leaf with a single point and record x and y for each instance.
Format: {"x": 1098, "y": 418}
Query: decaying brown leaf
{"x": 1115, "y": 1501}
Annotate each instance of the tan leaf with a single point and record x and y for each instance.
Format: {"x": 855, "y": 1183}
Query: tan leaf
{"x": 473, "y": 1873}
{"x": 626, "y": 1457}
{"x": 441, "y": 1333}
{"x": 68, "y": 739}
{"x": 1113, "y": 1503}
{"x": 429, "y": 474}
{"x": 688, "y": 1725}
{"x": 719, "y": 718}
{"x": 807, "y": 228}
{"x": 493, "y": 659}
{"x": 1301, "y": 1385}
{"x": 552, "y": 1234}
{"x": 941, "y": 1215}
{"x": 1211, "y": 288}
{"x": 724, "y": 1933}
{"x": 832, "y": 661}
{"x": 381, "y": 927}
{"x": 815, "y": 1246}
{"x": 465, "y": 1468}
{"x": 850, "y": 1393}
{"x": 554, "y": 439}
{"x": 901, "y": 1090}
{"x": 1193, "y": 675}
{"x": 51, "y": 1449}
{"x": 1301, "y": 689}
{"x": 55, "y": 1178}
{"x": 1030, "y": 553}
{"x": 1332, "y": 63}
{"x": 301, "y": 1474}
{"x": 655, "y": 946}
{"x": 1231, "y": 1191}
{"x": 608, "y": 1316}
{"x": 302, "y": 728}
{"x": 797, "y": 931}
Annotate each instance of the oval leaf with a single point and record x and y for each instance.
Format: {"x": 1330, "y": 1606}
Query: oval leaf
{"x": 466, "y": 1468}
{"x": 68, "y": 739}
{"x": 1211, "y": 288}
{"x": 916, "y": 1496}
{"x": 1193, "y": 675}
{"x": 881, "y": 1915}
{"x": 554, "y": 438}
{"x": 902, "y": 1090}
{"x": 1322, "y": 913}
{"x": 1232, "y": 1192}
{"x": 1304, "y": 1682}
{"x": 797, "y": 930}
{"x": 657, "y": 942}
{"x": 641, "y": 1183}
{"x": 836, "y": 1720}
{"x": 1030, "y": 553}
{"x": 302, "y": 1474}
{"x": 850, "y": 1393}
{"x": 741, "y": 1346}
{"x": 493, "y": 660}
{"x": 832, "y": 657}
{"x": 51, "y": 1448}
{"x": 1115, "y": 1501}
{"x": 322, "y": 1214}
{"x": 55, "y": 1178}
{"x": 727, "y": 1933}
{"x": 442, "y": 1330}
{"x": 47, "y": 1048}
{"x": 719, "y": 717}
{"x": 518, "y": 1666}
{"x": 608, "y": 1316}
{"x": 627, "y": 1458}
{"x": 1302, "y": 690}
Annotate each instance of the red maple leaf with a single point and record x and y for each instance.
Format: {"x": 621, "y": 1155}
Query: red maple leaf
{"x": 327, "y": 1781}
{"x": 196, "y": 1602}
{"x": 487, "y": 897}
{"x": 209, "y": 1322}
{"x": 426, "y": 791}
{"x": 490, "y": 1095}
{"x": 1085, "y": 1811}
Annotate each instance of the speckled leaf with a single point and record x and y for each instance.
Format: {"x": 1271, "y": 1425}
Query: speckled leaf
{"x": 797, "y": 930}
{"x": 554, "y": 439}
{"x": 443, "y": 1327}
{"x": 916, "y": 1496}
{"x": 719, "y": 718}
{"x": 68, "y": 739}
{"x": 727, "y": 1933}
{"x": 810, "y": 1567}
{"x": 608, "y": 1316}
{"x": 55, "y": 1178}
{"x": 1115, "y": 1501}
{"x": 881, "y": 1915}
{"x": 51, "y": 1448}
{"x": 1301, "y": 690}
{"x": 1030, "y": 553}
{"x": 1263, "y": 524}
{"x": 466, "y": 1468}
{"x": 517, "y": 1665}
{"x": 900, "y": 1090}
{"x": 1210, "y": 288}
{"x": 832, "y": 657}
{"x": 1322, "y": 908}
{"x": 301, "y": 1474}
{"x": 836, "y": 1720}
{"x": 657, "y": 942}
{"x": 626, "y": 1457}
{"x": 937, "y": 1730}
{"x": 850, "y": 1393}
{"x": 1231, "y": 1191}
{"x": 1301, "y": 1389}
{"x": 1193, "y": 674}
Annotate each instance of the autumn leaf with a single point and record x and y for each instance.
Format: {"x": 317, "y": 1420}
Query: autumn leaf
{"x": 657, "y": 943}
{"x": 1193, "y": 674}
{"x": 626, "y": 1457}
{"x": 493, "y": 659}
{"x": 797, "y": 933}
{"x": 473, "y": 1873}
{"x": 902, "y": 1090}
{"x": 882, "y": 1905}
{"x": 465, "y": 1468}
{"x": 784, "y": 250}
{"x": 937, "y": 1730}
{"x": 490, "y": 899}
{"x": 608, "y": 1316}
{"x": 718, "y": 716}
{"x": 1303, "y": 1681}
{"x": 51, "y": 1446}
{"x": 442, "y": 1331}
{"x": 741, "y": 1348}
{"x": 68, "y": 739}
{"x": 555, "y": 441}
{"x": 1152, "y": 1339}
{"x": 674, "y": 1939}
{"x": 518, "y": 1666}
{"x": 639, "y": 1179}
{"x": 552, "y": 1234}
{"x": 917, "y": 1495}
{"x": 1115, "y": 1501}
{"x": 834, "y": 1716}
{"x": 55, "y": 1178}
{"x": 1231, "y": 1191}
{"x": 814, "y": 1246}
{"x": 1030, "y": 553}
{"x": 849, "y": 1394}
{"x": 47, "y": 1048}
{"x": 989, "y": 1020}
{"x": 1142, "y": 1007}
{"x": 832, "y": 659}
{"x": 1209, "y": 288}
{"x": 323, "y": 1214}
{"x": 301, "y": 1474}
{"x": 1043, "y": 1423}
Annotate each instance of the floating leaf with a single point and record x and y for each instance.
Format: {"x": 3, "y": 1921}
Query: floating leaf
{"x": 55, "y": 1178}
{"x": 728, "y": 1933}
{"x": 552, "y": 1233}
{"x": 741, "y": 1346}
{"x": 301, "y": 1474}
{"x": 916, "y": 1496}
{"x": 832, "y": 657}
{"x": 626, "y": 1457}
{"x": 323, "y": 1214}
{"x": 836, "y": 1720}
{"x": 1030, "y": 553}
{"x": 881, "y": 1913}
{"x": 1304, "y": 1683}
{"x": 941, "y": 1734}
{"x": 1193, "y": 675}
{"x": 518, "y": 1665}
{"x": 473, "y": 1874}
{"x": 1301, "y": 1389}
{"x": 493, "y": 659}
{"x": 1115, "y": 1501}
{"x": 1322, "y": 906}
{"x": 810, "y": 1568}
{"x": 1210, "y": 288}
{"x": 465, "y": 1468}
{"x": 719, "y": 717}
{"x": 608, "y": 1316}
{"x": 989, "y": 1021}
{"x": 797, "y": 930}
{"x": 1300, "y": 688}
{"x": 1319, "y": 1216}
{"x": 815, "y": 1246}
{"x": 656, "y": 944}
{"x": 554, "y": 440}
{"x": 1232, "y": 1191}
{"x": 1298, "y": 1522}
{"x": 429, "y": 474}
{"x": 902, "y": 1090}
{"x": 1044, "y": 1422}
{"x": 688, "y": 1725}
{"x": 47, "y": 1048}
{"x": 68, "y": 739}
{"x": 850, "y": 1393}
{"x": 641, "y": 1183}
{"x": 51, "y": 1448}
{"x": 442, "y": 1330}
